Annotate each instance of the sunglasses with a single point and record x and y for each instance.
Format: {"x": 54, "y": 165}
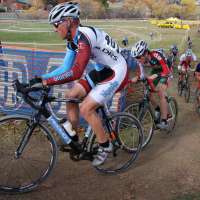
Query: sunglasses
{"x": 56, "y": 24}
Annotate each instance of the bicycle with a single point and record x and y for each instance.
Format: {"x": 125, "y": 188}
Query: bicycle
{"x": 184, "y": 86}
{"x": 29, "y": 150}
{"x": 146, "y": 115}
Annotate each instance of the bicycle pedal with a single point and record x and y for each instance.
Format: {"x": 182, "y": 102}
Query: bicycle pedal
{"x": 86, "y": 156}
{"x": 74, "y": 155}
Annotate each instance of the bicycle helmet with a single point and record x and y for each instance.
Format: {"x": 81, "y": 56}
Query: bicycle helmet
{"x": 174, "y": 47}
{"x": 67, "y": 9}
{"x": 188, "y": 53}
{"x": 139, "y": 48}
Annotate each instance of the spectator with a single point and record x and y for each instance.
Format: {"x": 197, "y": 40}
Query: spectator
{"x": 125, "y": 41}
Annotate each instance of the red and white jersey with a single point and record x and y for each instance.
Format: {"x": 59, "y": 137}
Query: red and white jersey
{"x": 184, "y": 60}
{"x": 104, "y": 50}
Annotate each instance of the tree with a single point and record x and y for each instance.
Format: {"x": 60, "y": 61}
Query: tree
{"x": 50, "y": 2}
{"x": 104, "y": 3}
{"x": 37, "y": 4}
{"x": 91, "y": 8}
{"x": 188, "y": 7}
{"x": 135, "y": 8}
{"x": 160, "y": 8}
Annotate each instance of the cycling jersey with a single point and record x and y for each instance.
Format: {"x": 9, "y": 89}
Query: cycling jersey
{"x": 97, "y": 45}
{"x": 198, "y": 68}
{"x": 158, "y": 63}
{"x": 186, "y": 61}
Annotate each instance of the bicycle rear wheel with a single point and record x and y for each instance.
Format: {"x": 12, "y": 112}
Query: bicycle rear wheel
{"x": 146, "y": 119}
{"x": 23, "y": 173}
{"x": 173, "y": 113}
{"x": 127, "y": 143}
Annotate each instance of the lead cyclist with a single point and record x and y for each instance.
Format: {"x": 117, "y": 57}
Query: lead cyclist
{"x": 99, "y": 85}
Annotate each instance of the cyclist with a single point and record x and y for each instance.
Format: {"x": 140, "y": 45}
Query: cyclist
{"x": 172, "y": 56}
{"x": 159, "y": 75}
{"x": 125, "y": 41}
{"x": 133, "y": 65}
{"x": 174, "y": 50}
{"x": 185, "y": 63}
{"x": 173, "y": 53}
{"x": 99, "y": 85}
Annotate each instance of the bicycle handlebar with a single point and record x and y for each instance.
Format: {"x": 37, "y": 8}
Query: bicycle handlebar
{"x": 25, "y": 89}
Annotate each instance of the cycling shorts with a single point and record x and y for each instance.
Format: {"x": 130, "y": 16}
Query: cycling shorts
{"x": 102, "y": 85}
{"x": 161, "y": 80}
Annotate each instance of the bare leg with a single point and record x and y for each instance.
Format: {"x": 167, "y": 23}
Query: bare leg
{"x": 163, "y": 101}
{"x": 153, "y": 101}
{"x": 88, "y": 111}
{"x": 72, "y": 109}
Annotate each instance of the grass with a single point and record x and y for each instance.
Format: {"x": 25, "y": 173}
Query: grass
{"x": 195, "y": 196}
{"x": 133, "y": 29}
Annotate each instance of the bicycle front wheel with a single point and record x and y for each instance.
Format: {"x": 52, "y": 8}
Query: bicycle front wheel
{"x": 180, "y": 87}
{"x": 23, "y": 173}
{"x": 126, "y": 144}
{"x": 146, "y": 119}
{"x": 173, "y": 113}
{"x": 187, "y": 92}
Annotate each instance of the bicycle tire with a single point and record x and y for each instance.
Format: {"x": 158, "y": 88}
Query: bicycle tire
{"x": 24, "y": 174}
{"x": 187, "y": 91}
{"x": 196, "y": 101}
{"x": 180, "y": 88}
{"x": 120, "y": 122}
{"x": 173, "y": 108}
{"x": 146, "y": 119}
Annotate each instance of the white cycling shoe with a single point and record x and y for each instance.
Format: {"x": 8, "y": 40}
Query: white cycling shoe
{"x": 163, "y": 125}
{"x": 102, "y": 155}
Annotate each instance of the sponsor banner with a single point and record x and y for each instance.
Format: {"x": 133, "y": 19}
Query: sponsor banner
{"x": 24, "y": 64}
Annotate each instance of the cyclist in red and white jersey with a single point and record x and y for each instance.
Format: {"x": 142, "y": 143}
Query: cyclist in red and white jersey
{"x": 160, "y": 74}
{"x": 99, "y": 85}
{"x": 185, "y": 63}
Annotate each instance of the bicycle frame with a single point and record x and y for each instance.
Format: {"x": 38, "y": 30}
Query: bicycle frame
{"x": 43, "y": 108}
{"x": 146, "y": 103}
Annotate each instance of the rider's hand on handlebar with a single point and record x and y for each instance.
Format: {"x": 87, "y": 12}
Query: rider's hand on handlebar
{"x": 36, "y": 82}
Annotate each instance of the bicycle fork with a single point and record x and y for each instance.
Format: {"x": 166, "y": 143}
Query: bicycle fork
{"x": 25, "y": 139}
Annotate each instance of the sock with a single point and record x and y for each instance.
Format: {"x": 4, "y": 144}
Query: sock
{"x": 105, "y": 144}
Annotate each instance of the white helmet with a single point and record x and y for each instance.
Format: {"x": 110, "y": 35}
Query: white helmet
{"x": 188, "y": 52}
{"x": 67, "y": 9}
{"x": 139, "y": 48}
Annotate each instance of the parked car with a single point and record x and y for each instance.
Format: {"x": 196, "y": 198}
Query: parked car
{"x": 182, "y": 26}
{"x": 165, "y": 24}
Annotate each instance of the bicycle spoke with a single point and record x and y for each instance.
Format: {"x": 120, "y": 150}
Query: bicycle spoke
{"x": 127, "y": 143}
{"x": 24, "y": 173}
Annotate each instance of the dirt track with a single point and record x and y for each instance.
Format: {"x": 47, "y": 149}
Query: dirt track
{"x": 167, "y": 168}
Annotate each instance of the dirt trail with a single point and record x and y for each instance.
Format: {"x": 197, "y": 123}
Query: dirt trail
{"x": 168, "y": 167}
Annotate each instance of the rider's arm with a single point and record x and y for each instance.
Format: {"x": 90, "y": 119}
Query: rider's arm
{"x": 66, "y": 65}
{"x": 162, "y": 62}
{"x": 80, "y": 63}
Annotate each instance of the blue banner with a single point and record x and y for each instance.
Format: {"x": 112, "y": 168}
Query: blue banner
{"x": 24, "y": 64}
